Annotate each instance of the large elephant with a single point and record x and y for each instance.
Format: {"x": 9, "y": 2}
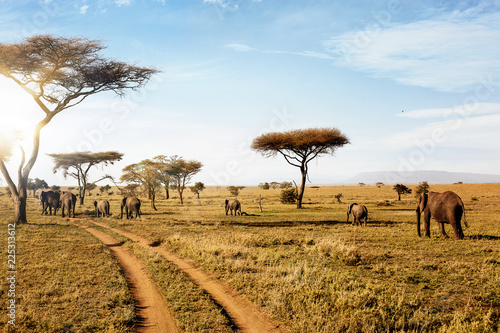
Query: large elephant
{"x": 68, "y": 201}
{"x": 49, "y": 199}
{"x": 102, "y": 207}
{"x": 233, "y": 205}
{"x": 131, "y": 205}
{"x": 359, "y": 212}
{"x": 446, "y": 207}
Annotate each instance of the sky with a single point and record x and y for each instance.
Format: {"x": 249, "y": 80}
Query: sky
{"x": 414, "y": 85}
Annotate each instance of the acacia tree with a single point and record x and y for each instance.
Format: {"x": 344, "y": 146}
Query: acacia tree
{"x": 299, "y": 147}
{"x": 181, "y": 172}
{"x": 78, "y": 165}
{"x": 145, "y": 173}
{"x": 59, "y": 73}
{"x": 163, "y": 162}
{"x": 197, "y": 188}
{"x": 401, "y": 189}
{"x": 423, "y": 187}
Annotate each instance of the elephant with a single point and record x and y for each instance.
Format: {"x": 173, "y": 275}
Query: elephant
{"x": 49, "y": 199}
{"x": 68, "y": 201}
{"x": 359, "y": 212}
{"x": 102, "y": 207}
{"x": 233, "y": 205}
{"x": 446, "y": 207}
{"x": 131, "y": 205}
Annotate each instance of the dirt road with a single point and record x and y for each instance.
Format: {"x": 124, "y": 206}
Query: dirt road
{"x": 151, "y": 308}
{"x": 247, "y": 316}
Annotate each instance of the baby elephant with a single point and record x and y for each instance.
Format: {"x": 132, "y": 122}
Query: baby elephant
{"x": 102, "y": 207}
{"x": 359, "y": 212}
{"x": 233, "y": 205}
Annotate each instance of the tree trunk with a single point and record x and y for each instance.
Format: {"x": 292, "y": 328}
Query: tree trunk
{"x": 20, "y": 209}
{"x": 180, "y": 195}
{"x": 153, "y": 196}
{"x": 300, "y": 195}
{"x": 167, "y": 194}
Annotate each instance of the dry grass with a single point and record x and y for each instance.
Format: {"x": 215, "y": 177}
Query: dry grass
{"x": 315, "y": 273}
{"x": 66, "y": 281}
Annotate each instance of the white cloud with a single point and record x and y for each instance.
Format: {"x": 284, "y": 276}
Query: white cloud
{"x": 460, "y": 111}
{"x": 240, "y": 47}
{"x": 83, "y": 9}
{"x": 222, "y": 3}
{"x": 452, "y": 53}
{"x": 472, "y": 132}
{"x": 120, "y": 3}
{"x": 311, "y": 54}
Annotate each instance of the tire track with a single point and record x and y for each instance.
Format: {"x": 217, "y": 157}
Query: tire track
{"x": 150, "y": 306}
{"x": 247, "y": 316}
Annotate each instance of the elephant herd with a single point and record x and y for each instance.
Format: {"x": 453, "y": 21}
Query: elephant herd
{"x": 446, "y": 207}
{"x": 67, "y": 201}
{"x": 55, "y": 200}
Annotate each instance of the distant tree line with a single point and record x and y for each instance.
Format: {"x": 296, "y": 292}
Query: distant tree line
{"x": 275, "y": 185}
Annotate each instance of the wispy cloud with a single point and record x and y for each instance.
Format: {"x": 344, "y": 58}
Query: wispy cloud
{"x": 240, "y": 47}
{"x": 460, "y": 111}
{"x": 120, "y": 3}
{"x": 247, "y": 48}
{"x": 447, "y": 53}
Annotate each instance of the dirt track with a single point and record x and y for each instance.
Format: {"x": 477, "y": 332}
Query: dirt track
{"x": 151, "y": 308}
{"x": 247, "y": 316}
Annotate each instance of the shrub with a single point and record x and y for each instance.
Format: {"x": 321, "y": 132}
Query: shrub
{"x": 288, "y": 196}
{"x": 264, "y": 186}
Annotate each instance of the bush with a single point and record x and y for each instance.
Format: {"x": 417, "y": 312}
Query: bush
{"x": 264, "y": 186}
{"x": 288, "y": 196}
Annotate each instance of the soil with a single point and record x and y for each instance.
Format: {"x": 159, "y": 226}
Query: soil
{"x": 246, "y": 315}
{"x": 151, "y": 309}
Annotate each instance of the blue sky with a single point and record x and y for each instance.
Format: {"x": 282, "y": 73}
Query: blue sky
{"x": 414, "y": 85}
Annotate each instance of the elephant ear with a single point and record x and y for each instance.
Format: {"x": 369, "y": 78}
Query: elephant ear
{"x": 349, "y": 209}
{"x": 422, "y": 202}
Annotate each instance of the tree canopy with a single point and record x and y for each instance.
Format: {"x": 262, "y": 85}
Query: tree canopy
{"x": 59, "y": 73}
{"x": 181, "y": 172}
{"x": 77, "y": 165}
{"x": 299, "y": 147}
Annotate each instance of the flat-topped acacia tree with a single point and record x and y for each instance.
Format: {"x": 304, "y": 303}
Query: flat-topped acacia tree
{"x": 299, "y": 147}
{"x": 78, "y": 165}
{"x": 59, "y": 73}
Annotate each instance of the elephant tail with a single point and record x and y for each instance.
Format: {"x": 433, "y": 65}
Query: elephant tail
{"x": 463, "y": 210}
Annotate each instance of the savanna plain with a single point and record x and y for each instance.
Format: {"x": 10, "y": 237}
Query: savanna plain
{"x": 307, "y": 268}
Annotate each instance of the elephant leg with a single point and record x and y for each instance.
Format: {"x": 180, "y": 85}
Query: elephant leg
{"x": 441, "y": 230}
{"x": 457, "y": 228}
{"x": 427, "y": 224}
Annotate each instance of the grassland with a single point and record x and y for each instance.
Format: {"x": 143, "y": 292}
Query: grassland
{"x": 308, "y": 268}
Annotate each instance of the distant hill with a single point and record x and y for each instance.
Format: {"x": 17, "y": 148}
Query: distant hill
{"x": 415, "y": 177}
